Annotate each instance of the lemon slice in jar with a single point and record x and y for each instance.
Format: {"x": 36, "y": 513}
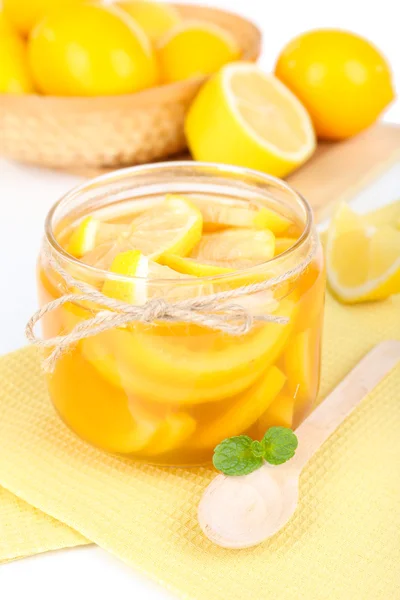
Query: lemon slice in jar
{"x": 283, "y": 243}
{"x": 363, "y": 260}
{"x": 235, "y": 248}
{"x": 187, "y": 365}
{"x": 141, "y": 272}
{"x": 243, "y": 411}
{"x": 92, "y": 232}
{"x": 280, "y": 413}
{"x": 219, "y": 212}
{"x": 175, "y": 226}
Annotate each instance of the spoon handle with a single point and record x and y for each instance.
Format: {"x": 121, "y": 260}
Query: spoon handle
{"x": 325, "y": 419}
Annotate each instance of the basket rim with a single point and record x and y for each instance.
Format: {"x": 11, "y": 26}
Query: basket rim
{"x": 156, "y": 93}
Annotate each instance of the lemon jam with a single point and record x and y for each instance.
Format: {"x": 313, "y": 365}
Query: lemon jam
{"x": 168, "y": 391}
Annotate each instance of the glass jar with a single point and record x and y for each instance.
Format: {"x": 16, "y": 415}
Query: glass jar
{"x": 168, "y": 392}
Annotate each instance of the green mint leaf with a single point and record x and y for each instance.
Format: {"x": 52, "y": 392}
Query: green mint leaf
{"x": 257, "y": 448}
{"x": 279, "y": 445}
{"x": 234, "y": 456}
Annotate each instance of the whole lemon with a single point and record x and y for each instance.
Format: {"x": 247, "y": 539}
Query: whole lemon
{"x": 194, "y": 49}
{"x": 155, "y": 18}
{"x": 6, "y": 28}
{"x": 15, "y": 77}
{"x": 24, "y": 14}
{"x": 341, "y": 78}
{"x": 91, "y": 50}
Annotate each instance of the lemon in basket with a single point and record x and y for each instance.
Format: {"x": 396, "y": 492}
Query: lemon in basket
{"x": 155, "y": 18}
{"x": 193, "y": 49}
{"x": 25, "y": 14}
{"x": 245, "y": 117}
{"x": 91, "y": 50}
{"x": 14, "y": 73}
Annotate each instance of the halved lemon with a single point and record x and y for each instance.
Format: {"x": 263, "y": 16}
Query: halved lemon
{"x": 363, "y": 261}
{"x": 245, "y": 117}
{"x": 235, "y": 248}
{"x": 193, "y": 49}
{"x": 243, "y": 411}
{"x": 174, "y": 226}
{"x": 219, "y": 212}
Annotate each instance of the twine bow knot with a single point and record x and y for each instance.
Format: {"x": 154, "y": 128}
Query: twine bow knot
{"x": 213, "y": 311}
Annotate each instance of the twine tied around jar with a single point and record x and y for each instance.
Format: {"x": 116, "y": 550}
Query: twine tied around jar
{"x": 212, "y": 311}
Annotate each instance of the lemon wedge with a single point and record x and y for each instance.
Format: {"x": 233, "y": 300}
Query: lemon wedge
{"x": 195, "y": 48}
{"x": 363, "y": 261}
{"x": 245, "y": 117}
{"x": 235, "y": 248}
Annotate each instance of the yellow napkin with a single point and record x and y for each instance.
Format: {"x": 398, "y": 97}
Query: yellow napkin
{"x": 343, "y": 542}
{"x": 24, "y": 530}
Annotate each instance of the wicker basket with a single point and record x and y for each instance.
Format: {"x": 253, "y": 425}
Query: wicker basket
{"x": 111, "y": 131}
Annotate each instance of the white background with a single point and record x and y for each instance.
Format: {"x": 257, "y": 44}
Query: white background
{"x": 26, "y": 195}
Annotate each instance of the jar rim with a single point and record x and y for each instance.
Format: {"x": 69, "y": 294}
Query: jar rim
{"x": 161, "y": 166}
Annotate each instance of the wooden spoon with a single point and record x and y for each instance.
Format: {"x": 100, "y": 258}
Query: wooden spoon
{"x": 239, "y": 512}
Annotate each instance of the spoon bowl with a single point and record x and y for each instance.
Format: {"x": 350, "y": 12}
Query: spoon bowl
{"x": 248, "y": 509}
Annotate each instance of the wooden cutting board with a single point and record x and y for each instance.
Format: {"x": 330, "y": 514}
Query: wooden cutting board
{"x": 337, "y": 171}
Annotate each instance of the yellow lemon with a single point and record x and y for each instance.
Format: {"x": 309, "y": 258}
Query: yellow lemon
{"x": 116, "y": 425}
{"x": 141, "y": 271}
{"x": 280, "y": 413}
{"x": 363, "y": 260}
{"x": 25, "y": 14}
{"x": 14, "y": 72}
{"x": 219, "y": 212}
{"x": 283, "y": 243}
{"x": 174, "y": 430}
{"x": 340, "y": 77}
{"x": 235, "y": 248}
{"x": 91, "y": 50}
{"x": 243, "y": 411}
{"x": 155, "y": 18}
{"x": 191, "y": 266}
{"x": 245, "y": 117}
{"x": 91, "y": 233}
{"x": 174, "y": 226}
{"x": 301, "y": 360}
{"x": 195, "y": 367}
{"x": 194, "y": 49}
{"x": 6, "y": 27}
